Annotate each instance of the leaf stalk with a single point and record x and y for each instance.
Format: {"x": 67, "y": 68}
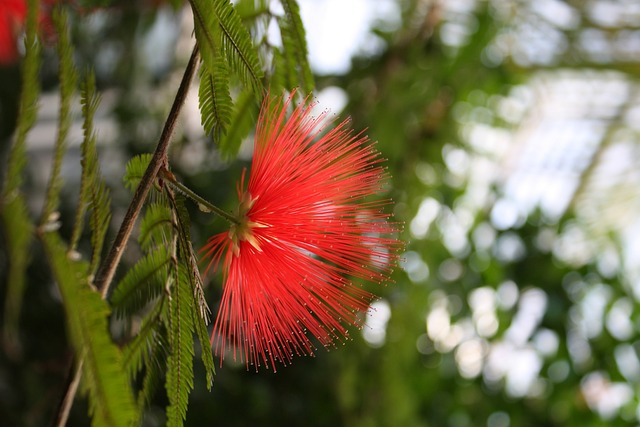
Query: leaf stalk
{"x": 203, "y": 204}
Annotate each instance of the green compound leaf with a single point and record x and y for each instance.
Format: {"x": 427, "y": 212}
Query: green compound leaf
{"x": 189, "y": 271}
{"x": 227, "y": 49}
{"x": 179, "y": 382}
{"x": 214, "y": 98}
{"x": 155, "y": 226}
{"x": 142, "y": 283}
{"x": 148, "y": 352}
{"x": 220, "y": 30}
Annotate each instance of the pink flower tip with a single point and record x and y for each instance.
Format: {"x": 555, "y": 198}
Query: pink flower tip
{"x": 307, "y": 236}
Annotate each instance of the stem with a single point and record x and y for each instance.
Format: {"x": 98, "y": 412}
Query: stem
{"x": 203, "y": 204}
{"x": 108, "y": 269}
{"x": 72, "y": 388}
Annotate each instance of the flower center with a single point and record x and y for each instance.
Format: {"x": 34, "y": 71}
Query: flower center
{"x": 243, "y": 230}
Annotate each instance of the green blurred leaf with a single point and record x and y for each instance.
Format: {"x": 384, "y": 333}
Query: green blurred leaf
{"x": 18, "y": 228}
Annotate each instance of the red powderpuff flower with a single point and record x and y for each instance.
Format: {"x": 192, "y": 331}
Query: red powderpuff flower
{"x": 305, "y": 228}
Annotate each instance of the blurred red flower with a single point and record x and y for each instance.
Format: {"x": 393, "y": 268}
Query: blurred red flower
{"x": 12, "y": 16}
{"x": 305, "y": 225}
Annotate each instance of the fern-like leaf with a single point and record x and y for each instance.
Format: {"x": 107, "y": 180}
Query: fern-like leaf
{"x": 89, "y": 100}
{"x": 179, "y": 380}
{"x": 142, "y": 283}
{"x": 155, "y": 226}
{"x": 110, "y": 397}
{"x": 190, "y": 273}
{"x": 188, "y": 258}
{"x": 96, "y": 192}
{"x": 134, "y": 354}
{"x": 219, "y": 29}
{"x": 148, "y": 352}
{"x": 294, "y": 43}
{"x": 214, "y": 98}
{"x": 135, "y": 170}
{"x": 68, "y": 78}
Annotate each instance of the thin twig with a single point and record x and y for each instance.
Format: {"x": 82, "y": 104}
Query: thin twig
{"x": 72, "y": 387}
{"x": 203, "y": 204}
{"x": 107, "y": 270}
{"x": 110, "y": 263}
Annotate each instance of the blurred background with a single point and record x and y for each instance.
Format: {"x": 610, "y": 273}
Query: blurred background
{"x": 511, "y": 131}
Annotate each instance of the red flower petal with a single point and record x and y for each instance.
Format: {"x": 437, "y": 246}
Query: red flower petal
{"x": 306, "y": 227}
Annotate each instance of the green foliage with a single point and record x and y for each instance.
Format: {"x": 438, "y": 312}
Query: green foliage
{"x": 142, "y": 283}
{"x": 219, "y": 30}
{"x": 159, "y": 300}
{"x": 68, "y": 78}
{"x": 166, "y": 284}
{"x": 284, "y": 74}
{"x": 225, "y": 46}
{"x": 243, "y": 118}
{"x": 28, "y": 101}
{"x": 89, "y": 101}
{"x": 295, "y": 47}
{"x": 155, "y": 362}
{"x": 18, "y": 230}
{"x": 93, "y": 190}
{"x": 179, "y": 380}
{"x": 135, "y": 170}
{"x": 438, "y": 108}
{"x": 178, "y": 313}
{"x": 136, "y": 353}
{"x": 155, "y": 226}
{"x": 100, "y": 215}
{"x": 190, "y": 273}
{"x": 214, "y": 97}
{"x": 228, "y": 52}
{"x": 148, "y": 352}
{"x": 111, "y": 401}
